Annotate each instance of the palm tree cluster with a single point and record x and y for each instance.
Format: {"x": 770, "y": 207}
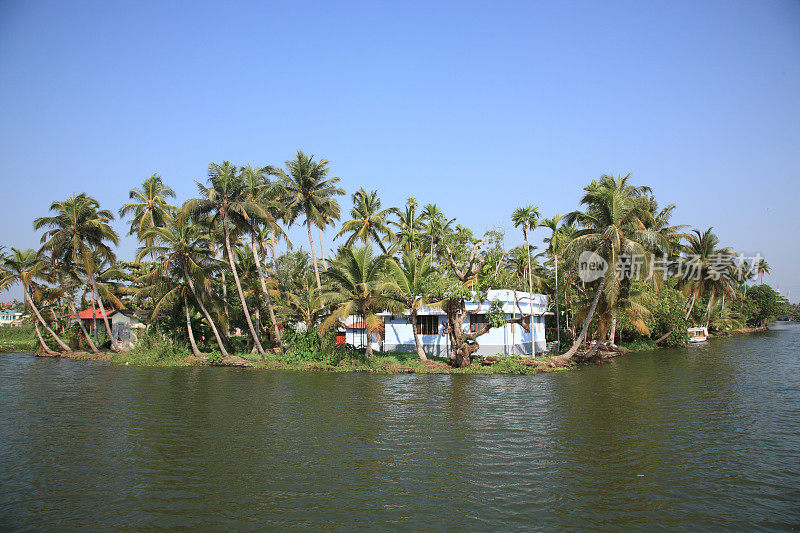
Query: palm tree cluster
{"x": 208, "y": 272}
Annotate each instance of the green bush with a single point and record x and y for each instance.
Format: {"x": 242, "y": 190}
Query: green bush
{"x": 215, "y": 358}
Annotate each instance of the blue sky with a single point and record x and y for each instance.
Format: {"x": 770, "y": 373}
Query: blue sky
{"x": 478, "y": 107}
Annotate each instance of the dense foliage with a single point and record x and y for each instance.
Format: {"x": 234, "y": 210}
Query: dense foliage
{"x": 212, "y": 281}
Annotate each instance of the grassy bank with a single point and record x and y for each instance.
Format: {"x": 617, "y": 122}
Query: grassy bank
{"x": 17, "y": 339}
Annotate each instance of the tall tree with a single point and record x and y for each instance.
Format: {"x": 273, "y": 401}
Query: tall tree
{"x": 186, "y": 257}
{"x": 357, "y": 286}
{"x": 409, "y": 285}
{"x": 78, "y": 233}
{"x": 369, "y": 221}
{"x": 26, "y": 267}
{"x": 308, "y": 191}
{"x": 150, "y": 206}
{"x": 613, "y": 224}
{"x": 225, "y": 200}
{"x": 527, "y": 218}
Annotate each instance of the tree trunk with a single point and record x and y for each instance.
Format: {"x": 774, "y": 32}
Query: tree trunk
{"x": 369, "y": 348}
{"x": 577, "y": 344}
{"x": 275, "y": 330}
{"x": 691, "y": 306}
{"x": 203, "y": 310}
{"x": 245, "y": 310}
{"x": 195, "y": 350}
{"x": 313, "y": 253}
{"x": 114, "y": 345}
{"x": 417, "y": 341}
{"x": 275, "y": 264}
{"x": 83, "y": 328}
{"x": 44, "y": 346}
{"x": 46, "y": 327}
{"x": 321, "y": 249}
{"x": 558, "y": 312}
{"x": 613, "y": 333}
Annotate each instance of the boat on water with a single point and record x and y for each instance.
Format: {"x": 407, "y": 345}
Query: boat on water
{"x": 698, "y": 334}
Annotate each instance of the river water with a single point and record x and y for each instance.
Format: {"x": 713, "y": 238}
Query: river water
{"x": 697, "y": 438}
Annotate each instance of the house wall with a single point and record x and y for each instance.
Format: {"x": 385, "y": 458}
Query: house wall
{"x": 509, "y": 339}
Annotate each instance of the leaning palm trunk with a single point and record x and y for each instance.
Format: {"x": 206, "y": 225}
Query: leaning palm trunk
{"x": 275, "y": 330}
{"x": 577, "y": 344}
{"x": 322, "y": 249}
{"x": 114, "y": 345}
{"x": 195, "y": 350}
{"x": 691, "y": 306}
{"x": 313, "y": 253}
{"x": 83, "y": 328}
{"x": 44, "y": 346}
{"x": 417, "y": 341}
{"x": 241, "y": 293}
{"x": 205, "y": 312}
{"x": 275, "y": 263}
{"x": 46, "y": 327}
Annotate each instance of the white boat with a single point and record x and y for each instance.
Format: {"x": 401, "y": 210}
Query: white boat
{"x": 698, "y": 334}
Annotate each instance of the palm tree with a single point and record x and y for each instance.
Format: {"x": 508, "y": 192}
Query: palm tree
{"x": 436, "y": 224}
{"x": 762, "y": 267}
{"x": 150, "y": 207}
{"x": 356, "y": 286}
{"x": 709, "y": 268}
{"x": 26, "y": 267}
{"x": 310, "y": 192}
{"x": 305, "y": 303}
{"x": 410, "y": 288}
{"x": 527, "y": 217}
{"x": 369, "y": 221}
{"x": 77, "y": 233}
{"x": 614, "y": 224}
{"x": 186, "y": 257}
{"x": 258, "y": 190}
{"x": 226, "y": 201}
{"x": 408, "y": 224}
{"x": 555, "y": 246}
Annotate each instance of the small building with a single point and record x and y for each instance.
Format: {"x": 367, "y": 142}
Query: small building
{"x": 510, "y": 339}
{"x": 10, "y": 318}
{"x": 125, "y": 323}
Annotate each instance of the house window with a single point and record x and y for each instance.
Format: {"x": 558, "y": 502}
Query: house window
{"x": 428, "y": 324}
{"x": 476, "y": 321}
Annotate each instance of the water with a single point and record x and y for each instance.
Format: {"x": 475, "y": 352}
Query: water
{"x": 713, "y": 431}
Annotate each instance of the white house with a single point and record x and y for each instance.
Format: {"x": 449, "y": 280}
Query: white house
{"x": 508, "y": 339}
{"x": 10, "y": 318}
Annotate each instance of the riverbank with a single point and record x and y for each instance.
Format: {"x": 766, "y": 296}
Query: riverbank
{"x": 384, "y": 363}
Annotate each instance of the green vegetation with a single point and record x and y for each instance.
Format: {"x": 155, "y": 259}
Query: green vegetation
{"x": 216, "y": 290}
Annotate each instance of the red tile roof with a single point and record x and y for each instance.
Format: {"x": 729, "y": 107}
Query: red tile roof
{"x": 86, "y": 314}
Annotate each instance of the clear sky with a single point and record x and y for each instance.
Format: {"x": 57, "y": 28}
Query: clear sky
{"x": 478, "y": 107}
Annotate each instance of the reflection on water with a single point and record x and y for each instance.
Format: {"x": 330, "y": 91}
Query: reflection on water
{"x": 704, "y": 437}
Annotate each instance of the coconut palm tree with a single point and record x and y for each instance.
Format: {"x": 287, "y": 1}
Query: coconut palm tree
{"x": 555, "y": 246}
{"x": 186, "y": 257}
{"x": 304, "y": 302}
{"x": 409, "y": 286}
{"x": 356, "y": 286}
{"x": 150, "y": 207}
{"x": 369, "y": 221}
{"x": 527, "y": 217}
{"x": 762, "y": 267}
{"x": 708, "y": 270}
{"x": 257, "y": 189}
{"x": 613, "y": 224}
{"x": 409, "y": 226}
{"x": 77, "y": 232}
{"x": 226, "y": 201}
{"x": 26, "y": 267}
{"x": 308, "y": 191}
{"x": 436, "y": 225}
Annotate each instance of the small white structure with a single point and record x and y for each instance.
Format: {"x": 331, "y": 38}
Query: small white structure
{"x": 125, "y": 325}
{"x": 510, "y": 339}
{"x": 698, "y": 334}
{"x": 10, "y": 318}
